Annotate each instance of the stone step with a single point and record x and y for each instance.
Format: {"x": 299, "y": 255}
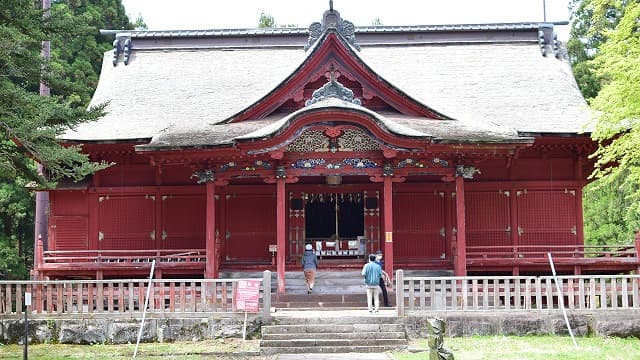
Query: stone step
{"x": 332, "y": 328}
{"x": 323, "y": 301}
{"x": 288, "y": 317}
{"x": 267, "y": 351}
{"x": 314, "y": 342}
{"x": 359, "y": 335}
{"x": 324, "y": 305}
{"x": 312, "y": 331}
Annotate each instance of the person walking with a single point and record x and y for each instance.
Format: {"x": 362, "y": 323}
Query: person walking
{"x": 384, "y": 279}
{"x": 309, "y": 266}
{"x": 372, "y": 273}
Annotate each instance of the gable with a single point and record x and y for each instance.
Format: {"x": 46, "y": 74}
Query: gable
{"x": 331, "y": 57}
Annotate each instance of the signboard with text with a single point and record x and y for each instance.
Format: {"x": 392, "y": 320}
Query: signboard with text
{"x": 247, "y": 295}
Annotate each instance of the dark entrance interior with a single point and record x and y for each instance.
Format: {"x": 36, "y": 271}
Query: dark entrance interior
{"x": 325, "y": 212}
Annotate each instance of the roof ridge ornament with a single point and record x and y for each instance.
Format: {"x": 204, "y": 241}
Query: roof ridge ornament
{"x": 122, "y": 45}
{"x": 333, "y": 88}
{"x": 331, "y": 19}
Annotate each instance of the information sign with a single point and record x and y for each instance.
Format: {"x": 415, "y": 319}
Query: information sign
{"x": 247, "y": 295}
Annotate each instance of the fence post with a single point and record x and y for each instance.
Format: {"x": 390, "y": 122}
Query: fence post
{"x": 266, "y": 296}
{"x": 400, "y": 292}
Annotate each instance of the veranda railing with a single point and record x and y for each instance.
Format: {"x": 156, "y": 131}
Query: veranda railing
{"x": 516, "y": 292}
{"x": 94, "y": 297}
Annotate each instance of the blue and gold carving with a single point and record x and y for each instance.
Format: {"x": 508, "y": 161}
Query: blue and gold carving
{"x": 358, "y": 163}
{"x": 308, "y": 163}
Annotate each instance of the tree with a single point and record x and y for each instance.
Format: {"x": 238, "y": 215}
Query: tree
{"x": 29, "y": 123}
{"x": 617, "y": 104}
{"x": 266, "y": 21}
{"x": 78, "y": 56}
{"x": 376, "y": 22}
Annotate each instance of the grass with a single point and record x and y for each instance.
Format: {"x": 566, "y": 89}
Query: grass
{"x": 471, "y": 348}
{"x": 535, "y": 348}
{"x": 178, "y": 350}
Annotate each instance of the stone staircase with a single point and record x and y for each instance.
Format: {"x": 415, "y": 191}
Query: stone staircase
{"x": 333, "y": 332}
{"x": 332, "y": 290}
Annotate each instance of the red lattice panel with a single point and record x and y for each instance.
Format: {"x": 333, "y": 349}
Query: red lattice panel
{"x": 183, "y": 221}
{"x": 127, "y": 222}
{"x": 538, "y": 209}
{"x": 418, "y": 220}
{"x": 251, "y": 226}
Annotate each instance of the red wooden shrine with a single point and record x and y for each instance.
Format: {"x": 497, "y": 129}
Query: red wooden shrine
{"x": 233, "y": 149}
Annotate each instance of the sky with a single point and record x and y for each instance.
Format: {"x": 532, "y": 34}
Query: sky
{"x": 217, "y": 14}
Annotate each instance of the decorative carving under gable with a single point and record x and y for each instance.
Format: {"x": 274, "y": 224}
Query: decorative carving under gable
{"x": 356, "y": 163}
{"x": 311, "y": 140}
{"x": 416, "y": 163}
{"x": 203, "y": 176}
{"x": 466, "y": 172}
{"x": 333, "y": 88}
{"x": 250, "y": 166}
{"x": 308, "y": 163}
{"x": 356, "y": 140}
{"x": 348, "y": 139}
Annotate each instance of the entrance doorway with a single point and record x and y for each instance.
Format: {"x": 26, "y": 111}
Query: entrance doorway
{"x": 338, "y": 224}
{"x": 334, "y": 215}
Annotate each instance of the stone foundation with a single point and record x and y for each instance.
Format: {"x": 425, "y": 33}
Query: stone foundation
{"x": 623, "y": 323}
{"x": 118, "y": 330}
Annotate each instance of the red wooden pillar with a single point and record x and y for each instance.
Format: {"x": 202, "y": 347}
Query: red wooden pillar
{"x": 388, "y": 225}
{"x": 211, "y": 267}
{"x": 280, "y": 232}
{"x": 580, "y": 218}
{"x": 460, "y": 266}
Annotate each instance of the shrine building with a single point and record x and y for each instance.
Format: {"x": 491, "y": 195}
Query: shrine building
{"x": 459, "y": 148}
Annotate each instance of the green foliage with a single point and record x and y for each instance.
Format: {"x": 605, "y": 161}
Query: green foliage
{"x": 617, "y": 130}
{"x": 77, "y": 52}
{"x": 376, "y": 22}
{"x": 29, "y": 123}
{"x": 585, "y": 39}
{"x": 603, "y": 48}
{"x": 266, "y": 21}
{"x": 16, "y": 228}
{"x": 606, "y": 218}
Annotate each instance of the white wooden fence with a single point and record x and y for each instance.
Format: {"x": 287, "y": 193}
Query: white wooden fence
{"x": 95, "y": 297}
{"x": 516, "y": 293}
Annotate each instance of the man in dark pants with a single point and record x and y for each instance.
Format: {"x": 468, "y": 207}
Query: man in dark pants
{"x": 383, "y": 279}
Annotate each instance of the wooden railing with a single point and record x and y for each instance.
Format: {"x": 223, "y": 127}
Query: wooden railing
{"x": 516, "y": 293}
{"x": 123, "y": 256}
{"x": 95, "y": 297}
{"x": 557, "y": 251}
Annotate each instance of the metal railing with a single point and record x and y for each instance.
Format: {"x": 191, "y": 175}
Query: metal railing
{"x": 596, "y": 292}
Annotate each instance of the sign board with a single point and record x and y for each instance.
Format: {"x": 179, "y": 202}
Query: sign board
{"x": 27, "y": 299}
{"x": 247, "y": 295}
{"x": 273, "y": 248}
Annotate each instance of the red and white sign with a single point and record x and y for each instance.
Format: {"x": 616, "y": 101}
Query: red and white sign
{"x": 247, "y": 295}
